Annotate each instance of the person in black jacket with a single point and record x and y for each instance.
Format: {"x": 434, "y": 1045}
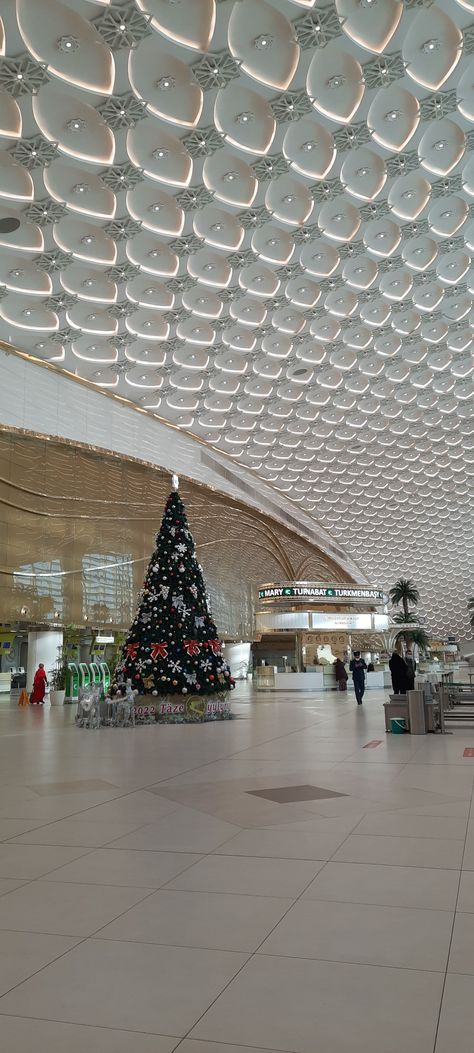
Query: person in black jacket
{"x": 411, "y": 669}
{"x": 399, "y": 671}
{"x": 358, "y": 669}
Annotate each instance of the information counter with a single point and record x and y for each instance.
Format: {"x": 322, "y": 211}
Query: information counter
{"x": 311, "y": 681}
{"x": 379, "y": 679}
{"x": 323, "y": 679}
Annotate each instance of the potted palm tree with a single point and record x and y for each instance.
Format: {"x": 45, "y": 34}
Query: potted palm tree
{"x": 404, "y": 591}
{"x": 57, "y": 680}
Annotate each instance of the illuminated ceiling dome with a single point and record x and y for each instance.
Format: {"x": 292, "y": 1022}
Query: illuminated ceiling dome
{"x": 253, "y": 218}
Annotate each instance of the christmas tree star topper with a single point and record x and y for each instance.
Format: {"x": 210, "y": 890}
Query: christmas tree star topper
{"x": 174, "y": 481}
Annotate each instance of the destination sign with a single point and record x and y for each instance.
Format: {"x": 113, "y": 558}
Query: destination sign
{"x": 321, "y": 592}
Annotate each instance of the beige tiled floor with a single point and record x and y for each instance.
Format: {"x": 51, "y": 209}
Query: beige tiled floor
{"x": 149, "y": 903}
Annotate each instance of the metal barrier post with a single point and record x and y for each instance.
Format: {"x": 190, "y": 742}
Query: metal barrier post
{"x": 416, "y": 711}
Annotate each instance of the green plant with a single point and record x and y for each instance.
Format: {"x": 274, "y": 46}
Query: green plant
{"x": 57, "y": 675}
{"x": 417, "y": 636}
{"x": 402, "y": 619}
{"x": 404, "y": 591}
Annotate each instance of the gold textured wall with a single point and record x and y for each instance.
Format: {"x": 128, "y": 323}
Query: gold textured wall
{"x": 77, "y": 529}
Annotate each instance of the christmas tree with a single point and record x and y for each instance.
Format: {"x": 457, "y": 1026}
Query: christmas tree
{"x": 172, "y": 647}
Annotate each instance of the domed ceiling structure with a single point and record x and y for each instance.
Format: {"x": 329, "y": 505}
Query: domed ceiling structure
{"x": 254, "y": 219}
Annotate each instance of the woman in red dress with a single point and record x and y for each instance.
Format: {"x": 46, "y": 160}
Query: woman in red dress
{"x": 40, "y": 683}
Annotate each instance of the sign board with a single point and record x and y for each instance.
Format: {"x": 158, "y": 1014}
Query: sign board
{"x": 322, "y": 592}
{"x": 325, "y": 620}
{"x": 271, "y": 621}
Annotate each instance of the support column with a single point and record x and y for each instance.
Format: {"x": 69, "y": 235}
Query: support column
{"x": 42, "y": 647}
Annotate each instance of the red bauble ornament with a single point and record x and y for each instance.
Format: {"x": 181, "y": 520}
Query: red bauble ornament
{"x": 211, "y": 677}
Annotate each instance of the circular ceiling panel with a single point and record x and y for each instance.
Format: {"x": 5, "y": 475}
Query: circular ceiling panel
{"x": 252, "y": 219}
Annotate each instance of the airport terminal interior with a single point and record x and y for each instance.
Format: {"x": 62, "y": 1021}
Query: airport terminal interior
{"x": 236, "y": 530}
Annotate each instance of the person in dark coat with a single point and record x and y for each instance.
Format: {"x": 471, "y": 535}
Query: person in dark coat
{"x": 358, "y": 669}
{"x": 411, "y": 669}
{"x": 399, "y": 671}
{"x": 340, "y": 674}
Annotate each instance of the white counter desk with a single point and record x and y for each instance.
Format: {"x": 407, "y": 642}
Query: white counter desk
{"x": 315, "y": 680}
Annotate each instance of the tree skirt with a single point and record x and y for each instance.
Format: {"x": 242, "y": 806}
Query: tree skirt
{"x": 174, "y": 709}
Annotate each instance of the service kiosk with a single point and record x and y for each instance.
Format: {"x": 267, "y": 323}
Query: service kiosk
{"x": 72, "y": 682}
{"x": 95, "y": 674}
{"x": 105, "y": 675}
{"x": 84, "y": 675}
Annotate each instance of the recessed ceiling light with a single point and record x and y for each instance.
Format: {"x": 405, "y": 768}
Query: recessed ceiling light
{"x": 165, "y": 83}
{"x": 76, "y": 124}
{"x": 263, "y": 41}
{"x": 430, "y": 45}
{"x": 245, "y": 117}
{"x": 67, "y": 44}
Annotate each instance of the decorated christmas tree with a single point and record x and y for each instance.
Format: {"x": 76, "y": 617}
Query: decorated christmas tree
{"x": 173, "y": 647}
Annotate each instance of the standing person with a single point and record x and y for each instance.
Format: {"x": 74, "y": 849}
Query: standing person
{"x": 398, "y": 671}
{"x": 40, "y": 684}
{"x": 358, "y": 669}
{"x": 340, "y": 674}
{"x": 411, "y": 669}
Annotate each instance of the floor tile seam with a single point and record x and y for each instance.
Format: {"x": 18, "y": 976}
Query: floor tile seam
{"x": 438, "y": 1021}
{"x": 110, "y": 848}
{"x": 382, "y": 906}
{"x": 43, "y": 932}
{"x": 395, "y": 906}
{"x": 217, "y": 1042}
{"x": 344, "y": 961}
{"x": 101, "y": 884}
{"x": 406, "y": 837}
{"x": 67, "y": 818}
{"x": 87, "y": 808}
{"x": 411, "y": 866}
{"x": 277, "y": 859}
{"x": 76, "y": 1023}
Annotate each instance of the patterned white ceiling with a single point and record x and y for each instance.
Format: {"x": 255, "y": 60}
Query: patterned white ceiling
{"x": 254, "y": 218}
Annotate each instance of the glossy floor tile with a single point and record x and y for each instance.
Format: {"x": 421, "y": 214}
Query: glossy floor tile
{"x": 28, "y": 1036}
{"x": 289, "y": 1004}
{"x": 151, "y": 903}
{"x": 25, "y": 953}
{"x": 129, "y": 986}
{"x": 387, "y": 885}
{"x": 200, "y": 919}
{"x": 456, "y": 1024}
{"x": 404, "y": 937}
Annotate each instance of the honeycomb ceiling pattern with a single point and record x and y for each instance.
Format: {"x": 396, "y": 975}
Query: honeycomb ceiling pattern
{"x": 254, "y": 219}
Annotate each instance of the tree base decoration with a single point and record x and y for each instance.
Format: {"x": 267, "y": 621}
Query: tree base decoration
{"x": 172, "y": 656}
{"x": 196, "y": 709}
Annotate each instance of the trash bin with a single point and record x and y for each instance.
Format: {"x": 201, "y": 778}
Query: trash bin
{"x": 398, "y": 725}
